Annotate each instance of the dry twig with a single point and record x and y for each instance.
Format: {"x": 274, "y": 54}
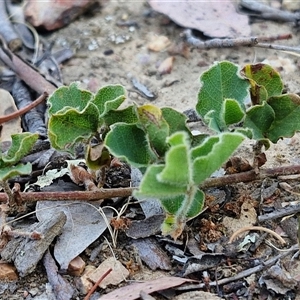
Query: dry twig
{"x": 260, "y": 228}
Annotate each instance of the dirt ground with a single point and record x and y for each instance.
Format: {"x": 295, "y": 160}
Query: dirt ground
{"x": 106, "y": 53}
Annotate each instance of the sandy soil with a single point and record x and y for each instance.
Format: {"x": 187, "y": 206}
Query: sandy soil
{"x": 96, "y": 35}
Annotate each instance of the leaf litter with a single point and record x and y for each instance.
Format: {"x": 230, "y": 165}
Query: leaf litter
{"x": 278, "y": 279}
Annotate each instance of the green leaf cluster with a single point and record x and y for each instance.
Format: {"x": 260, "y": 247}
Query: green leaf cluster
{"x": 22, "y": 144}
{"x": 250, "y": 98}
{"x": 176, "y": 181}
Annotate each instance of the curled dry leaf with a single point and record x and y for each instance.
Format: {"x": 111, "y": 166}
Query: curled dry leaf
{"x": 213, "y": 18}
{"x": 11, "y": 127}
{"x": 50, "y": 15}
{"x": 166, "y": 66}
{"x": 159, "y": 43}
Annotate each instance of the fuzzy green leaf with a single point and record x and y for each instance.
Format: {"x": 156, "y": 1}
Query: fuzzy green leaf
{"x": 287, "y": 116}
{"x": 22, "y": 144}
{"x": 214, "y": 151}
{"x": 220, "y": 82}
{"x": 175, "y": 119}
{"x": 152, "y": 187}
{"x": 259, "y": 118}
{"x": 12, "y": 171}
{"x": 131, "y": 143}
{"x": 66, "y": 128}
{"x": 156, "y": 127}
{"x": 233, "y": 112}
{"x": 65, "y": 98}
{"x": 179, "y": 152}
{"x": 127, "y": 115}
{"x": 264, "y": 76}
{"x": 109, "y": 98}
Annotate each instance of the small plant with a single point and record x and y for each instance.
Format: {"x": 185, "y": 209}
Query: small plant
{"x": 234, "y": 103}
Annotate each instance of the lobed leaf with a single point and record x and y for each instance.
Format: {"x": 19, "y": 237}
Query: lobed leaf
{"x": 215, "y": 150}
{"x": 66, "y": 128}
{"x": 267, "y": 81}
{"x": 131, "y": 143}
{"x": 109, "y": 98}
{"x": 22, "y": 144}
{"x": 287, "y": 116}
{"x": 67, "y": 97}
{"x": 220, "y": 82}
{"x": 12, "y": 171}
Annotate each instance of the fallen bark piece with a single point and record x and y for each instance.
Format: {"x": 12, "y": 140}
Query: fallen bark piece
{"x": 61, "y": 288}
{"x": 51, "y": 15}
{"x": 132, "y": 291}
{"x": 8, "y": 272}
{"x": 118, "y": 274}
{"x": 26, "y": 253}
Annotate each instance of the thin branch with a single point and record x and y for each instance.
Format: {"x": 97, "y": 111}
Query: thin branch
{"x": 250, "y": 176}
{"x": 237, "y": 42}
{"x": 69, "y": 196}
{"x": 93, "y": 289}
{"x": 23, "y": 110}
{"x": 27, "y": 73}
{"x": 243, "y": 274}
{"x": 279, "y": 213}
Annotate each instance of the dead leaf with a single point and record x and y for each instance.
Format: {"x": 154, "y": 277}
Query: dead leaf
{"x": 11, "y": 127}
{"x": 213, "y": 18}
{"x": 84, "y": 225}
{"x": 132, "y": 291}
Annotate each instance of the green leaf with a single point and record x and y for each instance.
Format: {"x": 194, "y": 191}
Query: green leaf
{"x": 177, "y": 153}
{"x": 65, "y": 98}
{"x": 12, "y": 171}
{"x": 22, "y": 144}
{"x": 287, "y": 116}
{"x": 109, "y": 98}
{"x": 69, "y": 127}
{"x": 233, "y": 112}
{"x": 264, "y": 76}
{"x": 131, "y": 143}
{"x": 152, "y": 187}
{"x": 214, "y": 151}
{"x": 156, "y": 127}
{"x": 259, "y": 119}
{"x": 175, "y": 119}
{"x": 220, "y": 82}
{"x": 127, "y": 115}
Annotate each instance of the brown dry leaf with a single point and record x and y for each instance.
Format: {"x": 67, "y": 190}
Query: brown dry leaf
{"x": 132, "y": 291}
{"x": 214, "y": 18}
{"x": 11, "y": 127}
{"x": 50, "y": 15}
{"x": 118, "y": 274}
